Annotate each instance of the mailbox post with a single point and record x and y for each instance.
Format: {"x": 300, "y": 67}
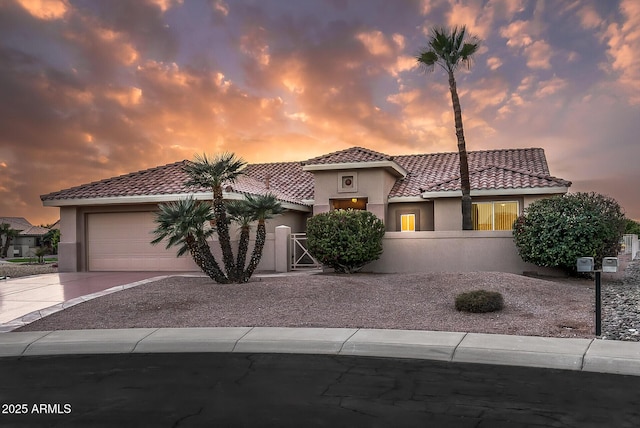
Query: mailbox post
{"x": 609, "y": 264}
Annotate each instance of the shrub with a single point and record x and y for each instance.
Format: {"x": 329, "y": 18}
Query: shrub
{"x": 554, "y": 232}
{"x": 345, "y": 240}
{"x": 479, "y": 301}
{"x": 632, "y": 227}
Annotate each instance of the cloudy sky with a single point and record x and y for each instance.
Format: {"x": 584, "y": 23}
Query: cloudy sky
{"x": 92, "y": 89}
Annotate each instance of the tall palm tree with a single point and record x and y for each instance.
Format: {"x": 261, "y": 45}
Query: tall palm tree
{"x": 222, "y": 169}
{"x": 182, "y": 224}
{"x": 449, "y": 48}
{"x": 263, "y": 207}
{"x": 240, "y": 213}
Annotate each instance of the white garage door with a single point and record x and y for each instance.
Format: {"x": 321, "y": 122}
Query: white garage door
{"x": 121, "y": 242}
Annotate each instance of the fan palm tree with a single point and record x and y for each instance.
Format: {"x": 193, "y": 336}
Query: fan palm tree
{"x": 449, "y": 48}
{"x": 182, "y": 224}
{"x": 263, "y": 207}
{"x": 9, "y": 234}
{"x": 240, "y": 213}
{"x": 222, "y": 169}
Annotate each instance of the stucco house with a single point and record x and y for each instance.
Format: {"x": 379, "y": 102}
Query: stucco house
{"x": 28, "y": 239}
{"x": 106, "y": 225}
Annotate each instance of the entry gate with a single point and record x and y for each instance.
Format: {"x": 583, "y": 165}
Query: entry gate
{"x": 300, "y": 257}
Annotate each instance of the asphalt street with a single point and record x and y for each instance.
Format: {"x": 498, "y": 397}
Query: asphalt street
{"x": 293, "y": 390}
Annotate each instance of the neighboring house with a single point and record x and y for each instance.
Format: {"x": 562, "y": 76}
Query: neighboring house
{"x": 106, "y": 225}
{"x": 28, "y": 240}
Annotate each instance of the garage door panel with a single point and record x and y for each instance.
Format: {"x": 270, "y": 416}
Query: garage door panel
{"x": 121, "y": 242}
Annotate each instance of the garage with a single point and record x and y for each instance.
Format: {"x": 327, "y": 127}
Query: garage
{"x": 121, "y": 242}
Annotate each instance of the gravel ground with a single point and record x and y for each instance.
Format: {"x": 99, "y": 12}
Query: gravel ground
{"x": 621, "y": 306}
{"x": 399, "y": 301}
{"x": 15, "y": 270}
{"x": 559, "y": 307}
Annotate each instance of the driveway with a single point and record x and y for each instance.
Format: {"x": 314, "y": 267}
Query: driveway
{"x": 25, "y": 295}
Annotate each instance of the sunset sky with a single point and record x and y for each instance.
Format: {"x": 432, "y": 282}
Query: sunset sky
{"x": 91, "y": 89}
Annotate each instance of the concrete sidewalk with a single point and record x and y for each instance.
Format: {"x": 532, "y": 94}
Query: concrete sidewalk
{"x": 589, "y": 355}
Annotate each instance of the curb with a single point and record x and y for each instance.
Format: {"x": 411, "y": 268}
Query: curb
{"x": 588, "y": 355}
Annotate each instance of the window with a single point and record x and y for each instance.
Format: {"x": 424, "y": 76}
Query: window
{"x": 408, "y": 223}
{"x": 498, "y": 215}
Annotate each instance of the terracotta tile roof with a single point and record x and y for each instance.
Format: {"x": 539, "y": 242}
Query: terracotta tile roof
{"x": 16, "y": 223}
{"x": 287, "y": 181}
{"x": 23, "y": 225}
{"x": 498, "y": 177}
{"x": 34, "y": 231}
{"x": 286, "y": 177}
{"x": 350, "y": 155}
{"x": 161, "y": 180}
{"x": 489, "y": 169}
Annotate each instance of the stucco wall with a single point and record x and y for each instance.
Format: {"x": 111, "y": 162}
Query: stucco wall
{"x": 373, "y": 184}
{"x": 423, "y": 211}
{"x": 447, "y": 214}
{"x": 452, "y": 251}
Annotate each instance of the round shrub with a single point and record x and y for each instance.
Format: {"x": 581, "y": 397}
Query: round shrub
{"x": 345, "y": 240}
{"x": 554, "y": 232}
{"x": 479, "y": 301}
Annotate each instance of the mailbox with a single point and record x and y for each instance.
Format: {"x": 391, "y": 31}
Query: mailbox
{"x": 585, "y": 264}
{"x": 610, "y": 264}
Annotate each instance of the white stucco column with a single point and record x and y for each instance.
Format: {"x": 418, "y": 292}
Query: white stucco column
{"x": 283, "y": 248}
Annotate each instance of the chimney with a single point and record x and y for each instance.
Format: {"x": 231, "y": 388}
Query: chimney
{"x": 267, "y": 180}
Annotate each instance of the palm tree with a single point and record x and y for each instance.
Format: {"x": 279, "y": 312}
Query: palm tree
{"x": 449, "y": 48}
{"x": 51, "y": 240}
{"x": 182, "y": 223}
{"x": 9, "y": 234}
{"x": 240, "y": 213}
{"x": 262, "y": 207}
{"x": 222, "y": 169}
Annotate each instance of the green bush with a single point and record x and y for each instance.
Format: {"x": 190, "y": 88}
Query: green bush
{"x": 479, "y": 301}
{"x": 345, "y": 240}
{"x": 632, "y": 227}
{"x": 554, "y": 232}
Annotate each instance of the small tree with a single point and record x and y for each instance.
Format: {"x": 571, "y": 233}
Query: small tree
{"x": 183, "y": 222}
{"x": 632, "y": 227}
{"x": 6, "y": 236}
{"x": 345, "y": 240}
{"x": 51, "y": 240}
{"x": 554, "y": 232}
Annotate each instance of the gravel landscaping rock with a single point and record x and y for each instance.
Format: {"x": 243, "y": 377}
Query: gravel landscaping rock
{"x": 555, "y": 307}
{"x": 15, "y": 270}
{"x": 621, "y": 306}
{"x": 424, "y": 301}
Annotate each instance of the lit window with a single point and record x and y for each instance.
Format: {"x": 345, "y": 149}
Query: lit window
{"x": 498, "y": 215}
{"x": 408, "y": 223}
